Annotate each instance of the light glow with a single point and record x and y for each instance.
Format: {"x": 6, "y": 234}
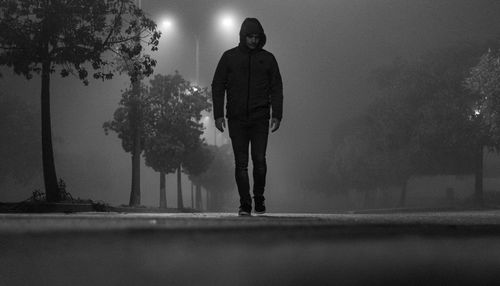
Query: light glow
{"x": 227, "y": 27}
{"x": 227, "y": 22}
{"x": 167, "y": 24}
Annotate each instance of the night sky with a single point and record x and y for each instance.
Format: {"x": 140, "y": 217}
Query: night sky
{"x": 325, "y": 50}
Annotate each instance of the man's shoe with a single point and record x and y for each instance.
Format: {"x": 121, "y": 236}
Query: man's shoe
{"x": 260, "y": 208}
{"x": 244, "y": 211}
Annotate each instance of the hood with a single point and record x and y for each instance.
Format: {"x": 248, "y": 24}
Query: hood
{"x": 252, "y": 26}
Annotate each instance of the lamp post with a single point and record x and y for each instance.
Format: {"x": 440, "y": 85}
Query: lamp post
{"x": 226, "y": 23}
{"x": 197, "y": 59}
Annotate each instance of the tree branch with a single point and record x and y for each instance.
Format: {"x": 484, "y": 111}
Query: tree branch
{"x": 105, "y": 43}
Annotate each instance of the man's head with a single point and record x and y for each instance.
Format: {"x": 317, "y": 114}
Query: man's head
{"x": 252, "y": 41}
{"x": 252, "y": 34}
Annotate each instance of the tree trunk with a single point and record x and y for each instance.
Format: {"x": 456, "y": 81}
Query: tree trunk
{"x": 180, "y": 204}
{"x": 198, "y": 197}
{"x": 49, "y": 170}
{"x": 135, "y": 192}
{"x": 163, "y": 192}
{"x": 192, "y": 195}
{"x": 209, "y": 200}
{"x": 478, "y": 186}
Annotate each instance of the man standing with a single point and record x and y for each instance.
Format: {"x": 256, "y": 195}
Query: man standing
{"x": 250, "y": 77}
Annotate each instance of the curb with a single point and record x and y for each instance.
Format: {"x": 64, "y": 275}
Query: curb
{"x": 423, "y": 210}
{"x": 44, "y": 207}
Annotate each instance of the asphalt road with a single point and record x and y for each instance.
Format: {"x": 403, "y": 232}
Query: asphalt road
{"x": 449, "y": 248}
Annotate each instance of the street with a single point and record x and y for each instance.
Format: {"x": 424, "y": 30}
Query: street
{"x": 441, "y": 248}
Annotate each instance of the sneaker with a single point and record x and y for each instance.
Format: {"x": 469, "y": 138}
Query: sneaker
{"x": 260, "y": 208}
{"x": 244, "y": 212}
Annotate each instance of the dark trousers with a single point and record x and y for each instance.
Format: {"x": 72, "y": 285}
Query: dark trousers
{"x": 254, "y": 133}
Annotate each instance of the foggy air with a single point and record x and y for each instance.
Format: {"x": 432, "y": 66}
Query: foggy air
{"x": 370, "y": 90}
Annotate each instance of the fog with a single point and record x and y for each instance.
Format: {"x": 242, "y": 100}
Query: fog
{"x": 326, "y": 51}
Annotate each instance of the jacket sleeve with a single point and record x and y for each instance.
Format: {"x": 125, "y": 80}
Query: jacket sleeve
{"x": 219, "y": 84}
{"x": 276, "y": 91}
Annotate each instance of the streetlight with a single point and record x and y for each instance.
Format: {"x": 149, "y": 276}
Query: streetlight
{"x": 167, "y": 24}
{"x": 226, "y": 24}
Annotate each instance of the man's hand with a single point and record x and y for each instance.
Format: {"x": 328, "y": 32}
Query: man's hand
{"x": 275, "y": 124}
{"x": 220, "y": 123}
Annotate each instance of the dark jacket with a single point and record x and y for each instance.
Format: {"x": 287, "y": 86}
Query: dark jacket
{"x": 250, "y": 79}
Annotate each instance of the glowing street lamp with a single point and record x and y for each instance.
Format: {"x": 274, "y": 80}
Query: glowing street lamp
{"x": 227, "y": 26}
{"x": 167, "y": 24}
{"x": 227, "y": 22}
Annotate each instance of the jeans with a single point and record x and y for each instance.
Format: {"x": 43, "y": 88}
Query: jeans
{"x": 254, "y": 133}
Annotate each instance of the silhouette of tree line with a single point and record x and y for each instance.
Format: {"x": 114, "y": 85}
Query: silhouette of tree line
{"x": 108, "y": 37}
{"x": 71, "y": 37}
{"x": 434, "y": 116}
{"x": 170, "y": 136}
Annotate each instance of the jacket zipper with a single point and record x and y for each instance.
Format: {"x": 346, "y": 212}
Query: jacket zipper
{"x": 249, "y": 77}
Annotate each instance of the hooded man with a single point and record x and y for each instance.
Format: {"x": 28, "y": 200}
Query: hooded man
{"x": 248, "y": 76}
